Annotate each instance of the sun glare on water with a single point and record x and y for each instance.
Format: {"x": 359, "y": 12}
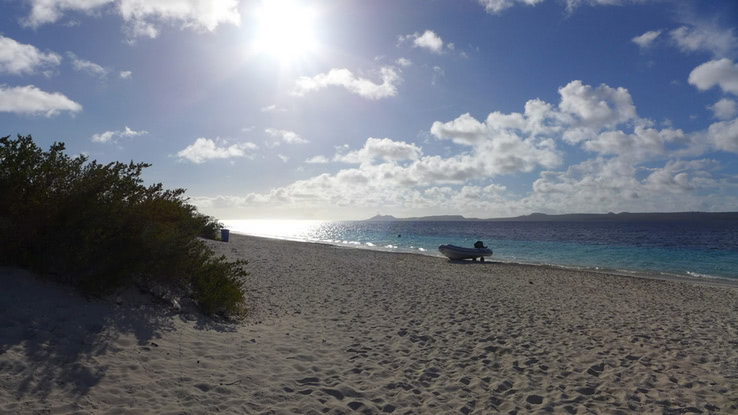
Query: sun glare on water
{"x": 286, "y": 30}
{"x": 300, "y": 230}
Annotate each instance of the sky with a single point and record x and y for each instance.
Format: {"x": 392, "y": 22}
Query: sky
{"x": 343, "y": 109}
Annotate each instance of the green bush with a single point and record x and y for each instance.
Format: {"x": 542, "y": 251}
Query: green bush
{"x": 216, "y": 286}
{"x": 210, "y": 227}
{"x": 98, "y": 227}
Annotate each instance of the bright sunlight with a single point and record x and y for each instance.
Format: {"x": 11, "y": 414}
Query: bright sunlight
{"x": 286, "y": 30}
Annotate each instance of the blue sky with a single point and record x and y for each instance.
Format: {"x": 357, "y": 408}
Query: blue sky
{"x": 344, "y": 109}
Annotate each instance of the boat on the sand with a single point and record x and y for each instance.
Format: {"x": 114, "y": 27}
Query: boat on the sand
{"x": 459, "y": 252}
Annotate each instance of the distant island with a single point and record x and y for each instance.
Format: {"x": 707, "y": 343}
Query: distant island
{"x": 573, "y": 217}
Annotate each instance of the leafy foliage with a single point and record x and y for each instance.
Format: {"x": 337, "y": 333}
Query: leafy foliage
{"x": 97, "y": 226}
{"x": 210, "y": 228}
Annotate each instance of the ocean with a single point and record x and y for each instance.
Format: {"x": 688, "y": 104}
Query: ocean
{"x": 704, "y": 249}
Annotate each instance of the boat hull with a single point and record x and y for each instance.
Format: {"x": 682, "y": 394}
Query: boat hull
{"x": 459, "y": 252}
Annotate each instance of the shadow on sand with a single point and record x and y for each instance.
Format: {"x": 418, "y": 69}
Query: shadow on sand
{"x": 470, "y": 262}
{"x": 50, "y": 336}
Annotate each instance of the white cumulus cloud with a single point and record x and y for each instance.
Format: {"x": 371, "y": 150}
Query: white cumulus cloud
{"x": 590, "y": 108}
{"x": 645, "y": 40}
{"x": 463, "y": 130}
{"x": 722, "y": 73}
{"x": 31, "y": 100}
{"x": 705, "y": 37}
{"x": 724, "y": 109}
{"x": 87, "y": 66}
{"x": 616, "y": 184}
{"x": 143, "y": 17}
{"x": 426, "y": 40}
{"x": 317, "y": 160}
{"x": 381, "y": 148}
{"x": 285, "y": 136}
{"x": 19, "y": 59}
{"x": 125, "y": 74}
{"x": 404, "y": 62}
{"x": 356, "y": 85}
{"x": 496, "y": 6}
{"x": 49, "y": 11}
{"x": 496, "y": 151}
{"x": 204, "y": 149}
{"x": 724, "y": 135}
{"x": 113, "y": 136}
{"x": 642, "y": 144}
{"x": 635, "y": 166}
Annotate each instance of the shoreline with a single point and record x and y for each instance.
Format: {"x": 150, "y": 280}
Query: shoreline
{"x": 685, "y": 253}
{"x": 714, "y": 281}
{"x": 340, "y": 331}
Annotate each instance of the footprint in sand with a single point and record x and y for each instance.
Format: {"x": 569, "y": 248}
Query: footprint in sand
{"x": 334, "y": 393}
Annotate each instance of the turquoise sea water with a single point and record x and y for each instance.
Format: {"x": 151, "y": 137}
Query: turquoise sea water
{"x": 682, "y": 248}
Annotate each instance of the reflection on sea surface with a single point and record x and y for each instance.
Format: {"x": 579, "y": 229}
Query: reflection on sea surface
{"x": 299, "y": 230}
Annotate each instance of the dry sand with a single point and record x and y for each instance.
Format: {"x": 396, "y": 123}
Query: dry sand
{"x": 335, "y": 330}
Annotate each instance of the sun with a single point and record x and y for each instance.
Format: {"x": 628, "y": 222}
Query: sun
{"x": 285, "y": 29}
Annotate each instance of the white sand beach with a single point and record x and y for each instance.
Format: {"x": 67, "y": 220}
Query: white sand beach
{"x": 338, "y": 331}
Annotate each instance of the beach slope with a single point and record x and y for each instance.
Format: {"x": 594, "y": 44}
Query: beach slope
{"x": 336, "y": 330}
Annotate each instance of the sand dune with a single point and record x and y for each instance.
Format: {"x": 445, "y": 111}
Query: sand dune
{"x": 335, "y": 330}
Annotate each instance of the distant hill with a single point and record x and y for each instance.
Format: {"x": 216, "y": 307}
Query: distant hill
{"x": 624, "y": 217}
{"x": 381, "y": 218}
{"x": 439, "y": 218}
{"x": 577, "y": 217}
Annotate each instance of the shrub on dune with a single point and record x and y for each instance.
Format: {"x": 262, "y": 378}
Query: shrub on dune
{"x": 99, "y": 227}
